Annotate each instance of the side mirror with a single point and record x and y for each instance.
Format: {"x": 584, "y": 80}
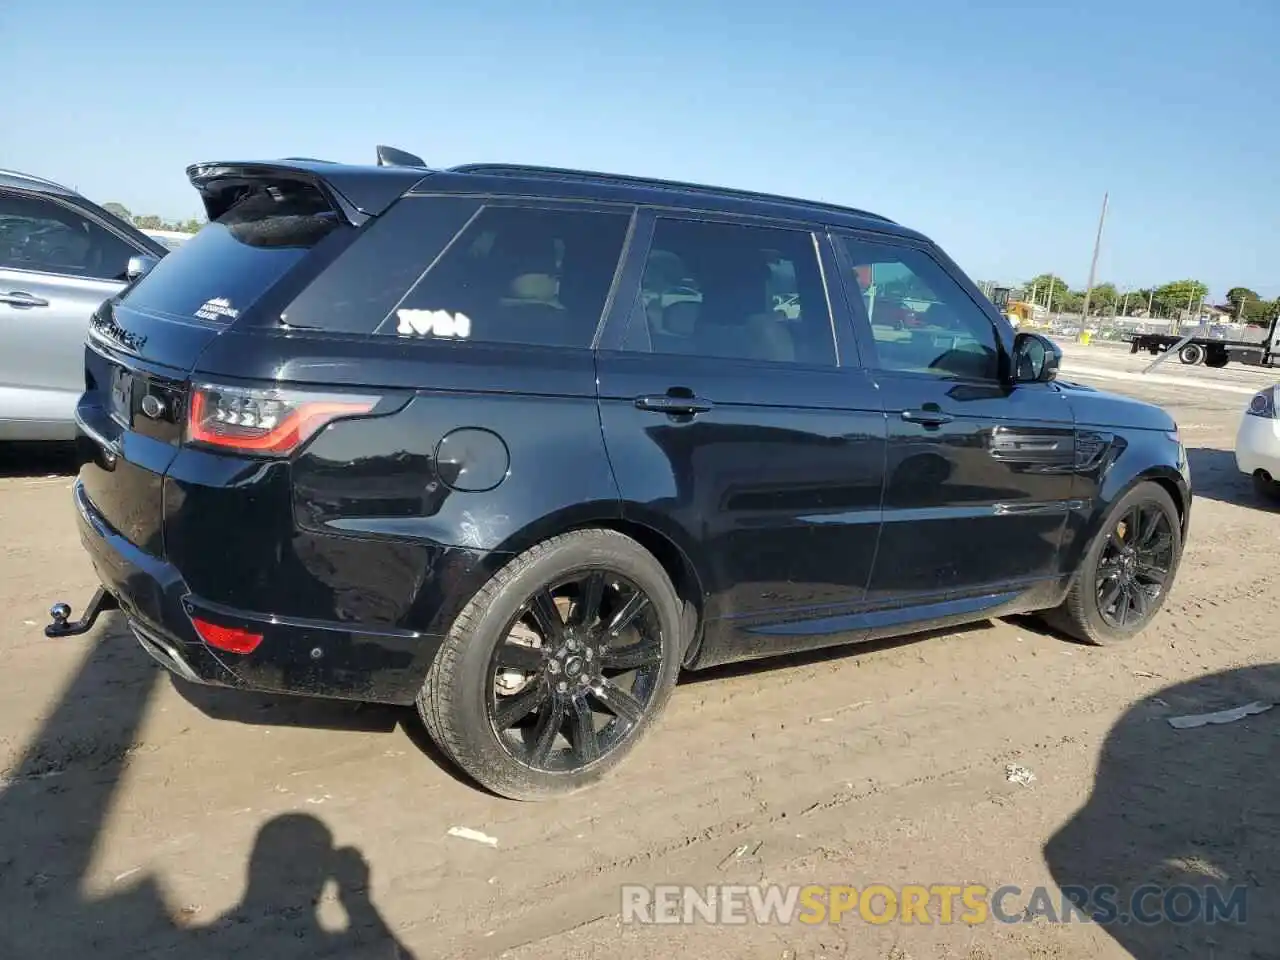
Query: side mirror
{"x": 1035, "y": 358}
{"x": 139, "y": 266}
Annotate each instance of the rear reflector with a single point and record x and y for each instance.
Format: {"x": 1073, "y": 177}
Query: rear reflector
{"x": 230, "y": 639}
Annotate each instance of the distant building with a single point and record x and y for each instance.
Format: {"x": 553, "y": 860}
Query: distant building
{"x": 1211, "y": 314}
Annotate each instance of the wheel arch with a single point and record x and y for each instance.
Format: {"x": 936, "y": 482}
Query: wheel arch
{"x": 1116, "y": 484}
{"x": 1167, "y": 478}
{"x": 673, "y": 552}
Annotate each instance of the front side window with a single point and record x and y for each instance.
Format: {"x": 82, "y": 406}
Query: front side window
{"x": 43, "y": 236}
{"x": 921, "y": 320}
{"x": 518, "y": 275}
{"x": 733, "y": 291}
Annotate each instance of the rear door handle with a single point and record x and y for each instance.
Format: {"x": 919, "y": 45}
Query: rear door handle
{"x": 16, "y": 298}
{"x": 675, "y": 406}
{"x": 930, "y": 418}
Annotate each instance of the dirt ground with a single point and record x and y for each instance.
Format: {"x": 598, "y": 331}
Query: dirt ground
{"x": 142, "y": 817}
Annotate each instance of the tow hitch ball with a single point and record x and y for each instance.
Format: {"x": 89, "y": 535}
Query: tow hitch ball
{"x": 61, "y": 614}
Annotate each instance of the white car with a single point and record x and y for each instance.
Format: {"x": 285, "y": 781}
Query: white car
{"x": 169, "y": 238}
{"x": 1258, "y": 443}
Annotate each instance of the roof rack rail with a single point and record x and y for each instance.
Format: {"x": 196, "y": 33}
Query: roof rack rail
{"x": 392, "y": 157}
{"x": 559, "y": 173}
{"x": 45, "y": 181}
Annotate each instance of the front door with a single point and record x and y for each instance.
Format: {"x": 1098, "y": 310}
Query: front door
{"x": 980, "y": 473}
{"x": 56, "y": 267}
{"x": 737, "y": 426}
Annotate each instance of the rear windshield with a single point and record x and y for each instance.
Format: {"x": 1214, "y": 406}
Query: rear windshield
{"x": 226, "y": 267}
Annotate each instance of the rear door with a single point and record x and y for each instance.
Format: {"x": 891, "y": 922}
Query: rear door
{"x": 980, "y": 473}
{"x": 740, "y": 425}
{"x": 56, "y": 266}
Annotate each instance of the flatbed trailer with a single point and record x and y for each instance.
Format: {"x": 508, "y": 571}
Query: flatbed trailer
{"x": 1211, "y": 351}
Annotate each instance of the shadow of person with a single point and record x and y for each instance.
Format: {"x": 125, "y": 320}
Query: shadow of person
{"x": 1183, "y": 825}
{"x": 55, "y": 802}
{"x": 292, "y": 863}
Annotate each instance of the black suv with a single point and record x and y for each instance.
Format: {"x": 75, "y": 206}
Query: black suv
{"x": 520, "y": 444}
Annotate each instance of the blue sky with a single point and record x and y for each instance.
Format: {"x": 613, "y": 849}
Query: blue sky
{"x": 993, "y": 127}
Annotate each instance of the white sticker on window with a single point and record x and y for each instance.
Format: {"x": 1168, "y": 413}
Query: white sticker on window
{"x": 433, "y": 323}
{"x": 217, "y": 308}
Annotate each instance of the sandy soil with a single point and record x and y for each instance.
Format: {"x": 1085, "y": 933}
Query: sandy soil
{"x": 143, "y": 817}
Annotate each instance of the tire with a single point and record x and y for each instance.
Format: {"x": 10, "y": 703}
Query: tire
{"x": 1081, "y": 614}
{"x": 1266, "y": 487}
{"x": 1216, "y": 359}
{"x": 1191, "y": 354}
{"x": 462, "y": 701}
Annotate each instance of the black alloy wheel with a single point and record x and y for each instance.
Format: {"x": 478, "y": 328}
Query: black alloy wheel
{"x": 1134, "y": 566}
{"x": 558, "y": 666}
{"x": 1125, "y": 575}
{"x": 576, "y": 671}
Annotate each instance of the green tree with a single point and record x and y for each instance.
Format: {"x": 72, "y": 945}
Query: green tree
{"x": 1068, "y": 301}
{"x": 1133, "y": 301}
{"x": 148, "y": 222}
{"x": 118, "y": 210}
{"x": 1038, "y": 288}
{"x": 1238, "y": 297}
{"x": 1260, "y": 312}
{"x": 1179, "y": 295}
{"x": 1102, "y": 298}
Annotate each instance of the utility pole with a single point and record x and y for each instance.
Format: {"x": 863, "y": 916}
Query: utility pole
{"x": 1093, "y": 265}
{"x": 1048, "y": 307}
{"x": 1124, "y": 311}
{"x": 1151, "y": 296}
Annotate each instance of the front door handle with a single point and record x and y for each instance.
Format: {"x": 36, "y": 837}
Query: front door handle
{"x": 16, "y": 298}
{"x": 930, "y": 418}
{"x": 673, "y": 405}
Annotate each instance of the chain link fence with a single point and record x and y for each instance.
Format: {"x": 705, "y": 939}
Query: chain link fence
{"x": 1120, "y": 329}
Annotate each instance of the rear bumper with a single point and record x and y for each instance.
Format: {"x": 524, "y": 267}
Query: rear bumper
{"x": 305, "y": 657}
{"x": 1258, "y": 445}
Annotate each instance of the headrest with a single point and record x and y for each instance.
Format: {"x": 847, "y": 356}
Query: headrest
{"x": 681, "y": 317}
{"x": 541, "y": 287}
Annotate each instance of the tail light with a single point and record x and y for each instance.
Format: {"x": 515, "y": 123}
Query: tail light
{"x": 266, "y": 422}
{"x": 1263, "y": 404}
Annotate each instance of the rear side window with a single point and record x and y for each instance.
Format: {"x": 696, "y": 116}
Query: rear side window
{"x": 733, "y": 291}
{"x": 519, "y": 275}
{"x": 228, "y": 266}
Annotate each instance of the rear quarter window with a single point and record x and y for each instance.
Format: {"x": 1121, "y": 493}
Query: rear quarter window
{"x": 233, "y": 261}
{"x": 517, "y": 274}
{"x": 364, "y": 283}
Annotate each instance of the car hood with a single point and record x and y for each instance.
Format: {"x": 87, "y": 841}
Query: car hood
{"x": 1100, "y": 408}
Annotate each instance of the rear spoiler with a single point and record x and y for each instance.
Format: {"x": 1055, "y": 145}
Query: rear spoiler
{"x": 357, "y": 192}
